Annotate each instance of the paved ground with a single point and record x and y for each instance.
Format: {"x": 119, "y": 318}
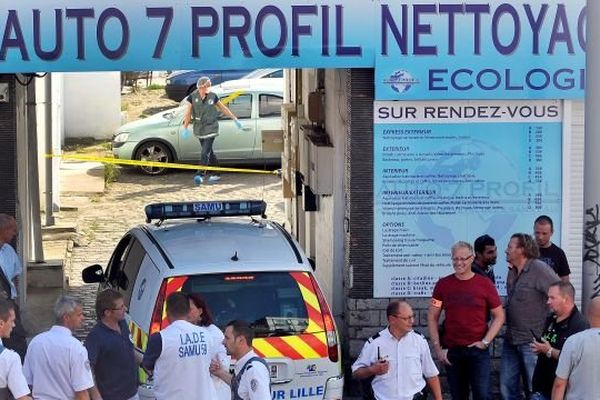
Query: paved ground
{"x": 103, "y": 219}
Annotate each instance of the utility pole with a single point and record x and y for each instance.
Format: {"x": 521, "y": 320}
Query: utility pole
{"x": 591, "y": 198}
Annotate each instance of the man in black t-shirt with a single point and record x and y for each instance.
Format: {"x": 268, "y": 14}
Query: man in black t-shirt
{"x": 565, "y": 320}
{"x": 551, "y": 254}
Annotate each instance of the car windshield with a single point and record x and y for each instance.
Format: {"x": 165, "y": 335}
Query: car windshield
{"x": 272, "y": 302}
{"x": 264, "y": 73}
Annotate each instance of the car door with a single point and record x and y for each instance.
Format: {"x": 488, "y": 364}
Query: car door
{"x": 269, "y": 118}
{"x": 188, "y": 145}
{"x": 144, "y": 293}
{"x": 234, "y": 144}
{"x": 124, "y": 266}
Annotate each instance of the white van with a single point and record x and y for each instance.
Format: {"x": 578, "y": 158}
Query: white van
{"x": 245, "y": 268}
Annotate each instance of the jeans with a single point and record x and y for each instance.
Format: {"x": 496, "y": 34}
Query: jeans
{"x": 538, "y": 396}
{"x": 515, "y": 360}
{"x": 470, "y": 368}
{"x": 207, "y": 155}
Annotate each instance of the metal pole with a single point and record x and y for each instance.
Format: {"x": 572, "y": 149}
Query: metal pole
{"x": 33, "y": 178}
{"x": 48, "y": 149}
{"x": 591, "y": 200}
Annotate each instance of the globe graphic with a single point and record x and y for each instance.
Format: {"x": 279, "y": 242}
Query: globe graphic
{"x": 401, "y": 81}
{"x": 466, "y": 182}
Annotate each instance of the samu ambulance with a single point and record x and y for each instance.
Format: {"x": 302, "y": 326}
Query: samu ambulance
{"x": 245, "y": 268}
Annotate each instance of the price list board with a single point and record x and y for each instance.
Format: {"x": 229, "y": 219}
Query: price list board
{"x": 450, "y": 171}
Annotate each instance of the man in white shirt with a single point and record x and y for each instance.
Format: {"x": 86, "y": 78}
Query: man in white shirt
{"x": 398, "y": 358}
{"x": 179, "y": 356}
{"x": 56, "y": 364}
{"x": 11, "y": 372}
{"x": 9, "y": 260}
{"x": 11, "y": 268}
{"x": 251, "y": 379}
{"x": 578, "y": 367}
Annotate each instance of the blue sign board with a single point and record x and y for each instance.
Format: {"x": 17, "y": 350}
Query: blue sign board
{"x": 450, "y": 171}
{"x": 481, "y": 50}
{"x": 420, "y": 50}
{"x": 100, "y": 35}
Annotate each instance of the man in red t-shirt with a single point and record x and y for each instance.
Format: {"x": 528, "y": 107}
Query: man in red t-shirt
{"x": 466, "y": 299}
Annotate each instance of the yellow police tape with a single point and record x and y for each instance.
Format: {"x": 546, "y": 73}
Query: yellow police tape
{"x": 157, "y": 164}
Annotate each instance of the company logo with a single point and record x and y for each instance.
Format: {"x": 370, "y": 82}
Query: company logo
{"x": 401, "y": 81}
{"x": 142, "y": 289}
{"x": 311, "y": 370}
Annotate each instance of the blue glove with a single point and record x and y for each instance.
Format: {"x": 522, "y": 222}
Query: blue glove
{"x": 238, "y": 124}
{"x": 185, "y": 133}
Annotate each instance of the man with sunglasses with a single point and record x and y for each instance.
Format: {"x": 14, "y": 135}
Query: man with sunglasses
{"x": 466, "y": 298}
{"x": 112, "y": 357}
{"x": 398, "y": 359}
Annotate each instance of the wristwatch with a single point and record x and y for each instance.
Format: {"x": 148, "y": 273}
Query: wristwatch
{"x": 486, "y": 343}
{"x": 549, "y": 353}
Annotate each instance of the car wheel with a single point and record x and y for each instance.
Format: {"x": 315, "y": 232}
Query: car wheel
{"x": 153, "y": 151}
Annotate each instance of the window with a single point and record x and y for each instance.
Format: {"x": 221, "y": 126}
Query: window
{"x": 240, "y": 106}
{"x": 124, "y": 266}
{"x": 269, "y": 105}
{"x": 134, "y": 259}
{"x": 270, "y": 301}
{"x": 275, "y": 74}
{"x": 116, "y": 260}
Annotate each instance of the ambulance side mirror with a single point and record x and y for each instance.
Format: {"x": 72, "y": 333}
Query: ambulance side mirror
{"x": 93, "y": 274}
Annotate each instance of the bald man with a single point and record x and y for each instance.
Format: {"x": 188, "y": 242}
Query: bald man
{"x": 578, "y": 367}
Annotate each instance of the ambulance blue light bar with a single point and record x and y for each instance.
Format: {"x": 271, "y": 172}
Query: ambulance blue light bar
{"x": 204, "y": 209}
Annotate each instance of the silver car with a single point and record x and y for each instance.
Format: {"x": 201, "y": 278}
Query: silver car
{"x": 255, "y": 102}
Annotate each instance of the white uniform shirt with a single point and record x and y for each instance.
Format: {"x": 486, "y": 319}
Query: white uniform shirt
{"x": 11, "y": 373}
{"x": 409, "y": 360}
{"x": 255, "y": 381}
{"x": 11, "y": 265}
{"x": 223, "y": 390}
{"x": 181, "y": 370}
{"x": 56, "y": 365}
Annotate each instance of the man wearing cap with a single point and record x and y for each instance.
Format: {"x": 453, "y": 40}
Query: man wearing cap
{"x": 203, "y": 108}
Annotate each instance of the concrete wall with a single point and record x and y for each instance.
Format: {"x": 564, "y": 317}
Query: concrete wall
{"x": 92, "y": 104}
{"x": 322, "y": 237}
{"x": 335, "y": 100}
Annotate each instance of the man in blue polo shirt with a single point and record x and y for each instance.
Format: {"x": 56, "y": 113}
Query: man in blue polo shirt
{"x": 110, "y": 350}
